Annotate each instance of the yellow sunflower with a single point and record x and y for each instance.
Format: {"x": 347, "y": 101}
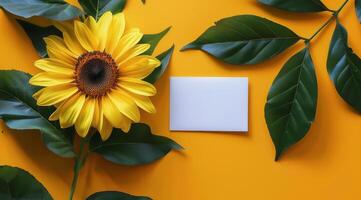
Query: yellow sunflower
{"x": 94, "y": 75}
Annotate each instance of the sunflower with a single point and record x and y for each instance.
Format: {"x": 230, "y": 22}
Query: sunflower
{"x": 93, "y": 75}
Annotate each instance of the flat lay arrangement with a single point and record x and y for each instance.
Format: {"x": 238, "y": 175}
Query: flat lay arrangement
{"x": 137, "y": 100}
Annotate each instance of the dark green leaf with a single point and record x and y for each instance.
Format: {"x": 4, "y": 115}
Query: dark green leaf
{"x": 17, "y": 184}
{"x": 291, "y": 102}
{"x": 153, "y": 40}
{"x": 245, "y": 39}
{"x": 112, "y": 195}
{"x": 137, "y": 147}
{"x": 97, "y": 8}
{"x": 358, "y": 9}
{"x": 158, "y": 72}
{"x": 344, "y": 68}
{"x": 297, "y": 5}
{"x": 52, "y": 9}
{"x": 36, "y": 35}
{"x": 19, "y": 111}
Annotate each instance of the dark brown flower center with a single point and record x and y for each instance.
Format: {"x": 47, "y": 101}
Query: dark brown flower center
{"x": 96, "y": 73}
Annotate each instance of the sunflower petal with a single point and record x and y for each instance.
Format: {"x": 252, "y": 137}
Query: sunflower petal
{"x": 97, "y": 121}
{"x": 129, "y": 40}
{"x": 112, "y": 114}
{"x": 116, "y": 31}
{"x": 133, "y": 52}
{"x": 103, "y": 29}
{"x": 106, "y": 130}
{"x": 137, "y": 86}
{"x": 139, "y": 67}
{"x": 54, "y": 65}
{"x": 143, "y": 102}
{"x": 57, "y": 48}
{"x": 85, "y": 36}
{"x": 124, "y": 104}
{"x": 50, "y": 79}
{"x": 84, "y": 121}
{"x": 56, "y": 94}
{"x": 67, "y": 28}
{"x": 70, "y": 110}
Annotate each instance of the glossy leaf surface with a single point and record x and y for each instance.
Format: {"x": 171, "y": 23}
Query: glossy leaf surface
{"x": 112, "y": 195}
{"x": 358, "y": 9}
{"x": 297, "y": 5}
{"x": 97, "y": 8}
{"x": 344, "y": 68}
{"x": 51, "y": 9}
{"x": 138, "y": 146}
{"x": 245, "y": 39}
{"x": 17, "y": 184}
{"x": 153, "y": 40}
{"x": 291, "y": 102}
{"x": 19, "y": 111}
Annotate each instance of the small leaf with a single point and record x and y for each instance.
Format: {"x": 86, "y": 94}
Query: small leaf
{"x": 137, "y": 147}
{"x": 358, "y": 9}
{"x": 297, "y": 5}
{"x": 245, "y": 39}
{"x": 52, "y": 9}
{"x": 36, "y": 35}
{"x": 113, "y": 195}
{"x": 17, "y": 184}
{"x": 153, "y": 40}
{"x": 344, "y": 68}
{"x": 19, "y": 111}
{"x": 292, "y": 101}
{"x": 97, "y": 8}
{"x": 158, "y": 72}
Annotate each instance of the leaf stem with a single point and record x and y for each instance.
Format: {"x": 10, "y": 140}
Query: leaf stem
{"x": 334, "y": 16}
{"x": 79, "y": 163}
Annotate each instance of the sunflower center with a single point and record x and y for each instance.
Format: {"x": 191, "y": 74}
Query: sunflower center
{"x": 96, "y": 73}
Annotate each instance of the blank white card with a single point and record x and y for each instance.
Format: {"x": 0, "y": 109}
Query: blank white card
{"x": 209, "y": 104}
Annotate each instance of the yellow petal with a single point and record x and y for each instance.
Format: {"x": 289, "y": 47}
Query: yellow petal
{"x": 143, "y": 102}
{"x": 133, "y": 52}
{"x": 103, "y": 29}
{"x": 106, "y": 130}
{"x": 38, "y": 93}
{"x": 54, "y": 65}
{"x": 70, "y": 110}
{"x": 84, "y": 121}
{"x": 112, "y": 114}
{"x": 56, "y": 94}
{"x": 137, "y": 86}
{"x": 67, "y": 28}
{"x": 85, "y": 36}
{"x": 116, "y": 31}
{"x": 57, "y": 48}
{"x": 139, "y": 67}
{"x": 50, "y": 79}
{"x": 129, "y": 40}
{"x": 125, "y": 104}
{"x": 98, "y": 116}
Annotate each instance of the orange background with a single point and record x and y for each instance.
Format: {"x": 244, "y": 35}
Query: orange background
{"x": 326, "y": 165}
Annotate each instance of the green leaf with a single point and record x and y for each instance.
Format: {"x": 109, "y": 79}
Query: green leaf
{"x": 358, "y": 9}
{"x": 97, "y": 8}
{"x": 158, "y": 72}
{"x": 19, "y": 111}
{"x": 137, "y": 147}
{"x": 112, "y": 195}
{"x": 153, "y": 40}
{"x": 292, "y": 101}
{"x": 52, "y": 9}
{"x": 36, "y": 35}
{"x": 344, "y": 68}
{"x": 17, "y": 184}
{"x": 245, "y": 39}
{"x": 297, "y": 5}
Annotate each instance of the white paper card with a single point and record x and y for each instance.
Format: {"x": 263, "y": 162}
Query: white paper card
{"x": 209, "y": 104}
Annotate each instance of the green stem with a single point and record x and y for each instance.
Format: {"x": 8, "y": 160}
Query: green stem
{"x": 79, "y": 163}
{"x": 334, "y": 16}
